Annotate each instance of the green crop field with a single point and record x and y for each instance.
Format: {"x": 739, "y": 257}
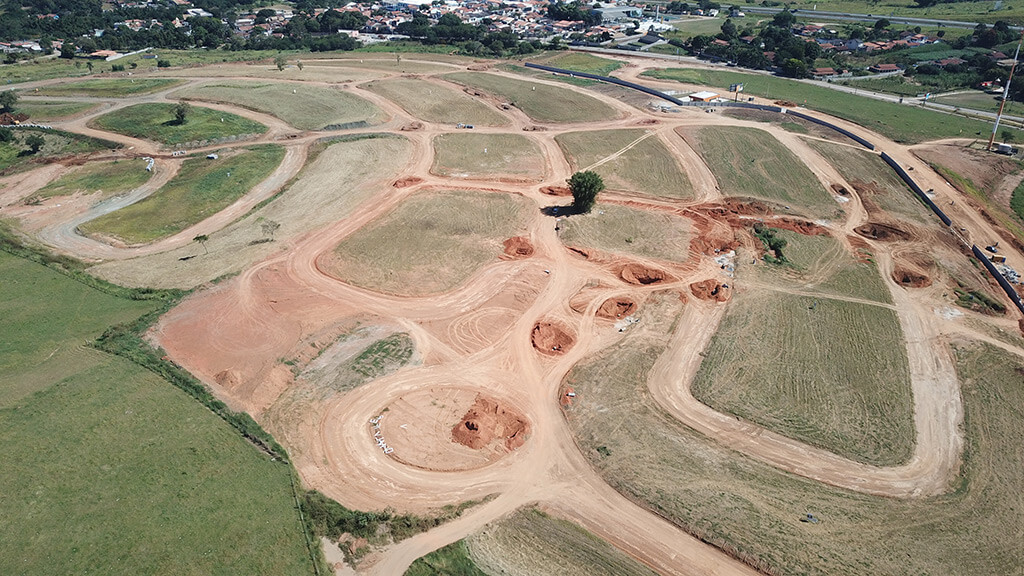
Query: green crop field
{"x": 200, "y": 189}
{"x": 899, "y": 122}
{"x": 614, "y": 228}
{"x": 157, "y": 122}
{"x": 105, "y": 178}
{"x": 112, "y": 470}
{"x": 304, "y": 107}
{"x": 46, "y": 110}
{"x": 431, "y": 243}
{"x": 751, "y": 162}
{"x": 108, "y": 87}
{"x": 541, "y": 102}
{"x": 647, "y": 167}
{"x": 795, "y": 365}
{"x": 487, "y": 155}
{"x": 583, "y": 62}
{"x": 437, "y": 103}
{"x": 889, "y": 192}
{"x": 752, "y": 510}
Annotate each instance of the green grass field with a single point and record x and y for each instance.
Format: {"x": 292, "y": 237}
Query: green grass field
{"x": 890, "y": 193}
{"x": 108, "y": 87}
{"x": 431, "y": 243}
{"x": 437, "y": 103}
{"x": 157, "y": 122}
{"x": 795, "y": 365}
{"x": 971, "y": 11}
{"x": 898, "y": 85}
{"x": 541, "y": 102}
{"x": 451, "y": 560}
{"x": 308, "y": 108}
{"x": 688, "y": 27}
{"x": 899, "y": 122}
{"x": 753, "y": 510}
{"x": 46, "y": 110}
{"x": 981, "y": 101}
{"x": 462, "y": 155}
{"x": 751, "y": 162}
{"x": 200, "y": 189}
{"x": 112, "y": 470}
{"x": 583, "y": 62}
{"x": 648, "y": 167}
{"x": 613, "y": 228}
{"x": 106, "y": 178}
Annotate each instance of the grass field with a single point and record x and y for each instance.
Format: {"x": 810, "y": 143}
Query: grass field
{"x": 386, "y": 63}
{"x": 795, "y": 365}
{"x": 439, "y": 103}
{"x": 44, "y": 69}
{"x": 751, "y": 162}
{"x": 308, "y": 108}
{"x": 156, "y": 122}
{"x": 356, "y": 358}
{"x": 46, "y": 110}
{"x": 463, "y": 155}
{"x": 971, "y": 11}
{"x": 753, "y": 510}
{"x": 980, "y": 101}
{"x": 688, "y": 27}
{"x": 108, "y": 87}
{"x": 106, "y": 178}
{"x": 583, "y": 62}
{"x": 200, "y": 189}
{"x": 541, "y": 102}
{"x": 899, "y": 122}
{"x": 613, "y": 228}
{"x": 14, "y": 156}
{"x": 110, "y": 469}
{"x": 431, "y": 243}
{"x": 899, "y": 85}
{"x": 893, "y": 195}
{"x": 535, "y": 543}
{"x": 452, "y": 560}
{"x": 648, "y": 167}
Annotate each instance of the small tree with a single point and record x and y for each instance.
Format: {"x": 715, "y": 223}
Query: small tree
{"x": 298, "y": 64}
{"x": 6, "y": 135}
{"x": 269, "y": 227}
{"x": 8, "y": 98}
{"x": 585, "y": 187}
{"x": 202, "y": 239}
{"x": 89, "y": 66}
{"x": 181, "y": 112}
{"x": 1008, "y": 135}
{"x": 35, "y": 142}
{"x": 280, "y": 62}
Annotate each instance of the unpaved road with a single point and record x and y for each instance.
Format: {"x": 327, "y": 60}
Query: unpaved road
{"x": 233, "y": 335}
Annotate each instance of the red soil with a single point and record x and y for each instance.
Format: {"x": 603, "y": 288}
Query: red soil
{"x": 710, "y": 289}
{"x": 635, "y": 273}
{"x": 551, "y": 339}
{"x": 910, "y": 277}
{"x": 487, "y": 422}
{"x": 406, "y": 182}
{"x": 883, "y": 232}
{"x": 556, "y": 191}
{"x": 518, "y": 247}
{"x": 412, "y": 126}
{"x": 616, "y": 308}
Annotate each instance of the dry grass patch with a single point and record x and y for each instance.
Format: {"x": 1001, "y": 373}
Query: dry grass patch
{"x": 105, "y": 178}
{"x": 108, "y": 87}
{"x": 436, "y": 102}
{"x": 751, "y": 162}
{"x": 472, "y": 155}
{"x": 387, "y": 64}
{"x": 614, "y": 228}
{"x": 646, "y": 166}
{"x": 310, "y": 72}
{"x": 304, "y": 107}
{"x": 431, "y": 243}
{"x": 541, "y": 102}
{"x": 46, "y": 110}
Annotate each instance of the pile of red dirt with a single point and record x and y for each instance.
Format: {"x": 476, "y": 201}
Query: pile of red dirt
{"x": 711, "y": 240}
{"x": 1020, "y": 324}
{"x": 487, "y": 422}
{"x": 615, "y": 308}
{"x": 635, "y": 273}
{"x": 479, "y": 67}
{"x": 579, "y": 252}
{"x": 799, "y": 226}
{"x": 736, "y": 206}
{"x": 412, "y": 126}
{"x": 518, "y": 247}
{"x": 407, "y": 181}
{"x": 556, "y": 191}
{"x": 711, "y": 289}
{"x": 534, "y": 128}
{"x": 647, "y": 122}
{"x": 785, "y": 103}
{"x": 879, "y": 231}
{"x": 551, "y": 339}
{"x": 8, "y": 118}
{"x": 567, "y": 396}
{"x": 910, "y": 277}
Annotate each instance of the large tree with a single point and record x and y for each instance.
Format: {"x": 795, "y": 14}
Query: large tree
{"x": 181, "y": 112}
{"x": 585, "y": 187}
{"x": 8, "y": 98}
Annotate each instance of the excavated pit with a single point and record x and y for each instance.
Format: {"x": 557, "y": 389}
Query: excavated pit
{"x": 488, "y": 422}
{"x": 882, "y": 232}
{"x": 518, "y": 247}
{"x": 711, "y": 289}
{"x": 551, "y": 339}
{"x": 615, "y": 308}
{"x": 641, "y": 275}
{"x": 406, "y": 182}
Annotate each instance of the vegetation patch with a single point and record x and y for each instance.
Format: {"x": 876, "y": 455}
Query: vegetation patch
{"x": 200, "y": 189}
{"x": 16, "y": 155}
{"x": 46, "y": 110}
{"x": 357, "y": 357}
{"x": 773, "y": 243}
{"x": 750, "y": 162}
{"x": 541, "y": 102}
{"x": 437, "y": 102}
{"x": 105, "y": 178}
{"x": 583, "y": 62}
{"x": 451, "y": 560}
{"x": 487, "y": 155}
{"x": 620, "y": 229}
{"x": 108, "y": 87}
{"x": 629, "y": 163}
{"x": 157, "y": 122}
{"x": 301, "y": 105}
{"x": 431, "y": 243}
{"x": 795, "y": 365}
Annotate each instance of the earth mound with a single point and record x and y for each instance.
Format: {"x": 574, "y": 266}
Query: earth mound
{"x": 883, "y": 232}
{"x": 407, "y": 181}
{"x": 634, "y": 273}
{"x": 556, "y": 191}
{"x": 616, "y": 308}
{"x": 910, "y": 277}
{"x": 551, "y": 339}
{"x": 488, "y": 422}
{"x": 412, "y": 126}
{"x": 711, "y": 289}
{"x": 518, "y": 247}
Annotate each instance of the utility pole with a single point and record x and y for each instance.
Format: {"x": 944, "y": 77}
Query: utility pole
{"x": 1006, "y": 94}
